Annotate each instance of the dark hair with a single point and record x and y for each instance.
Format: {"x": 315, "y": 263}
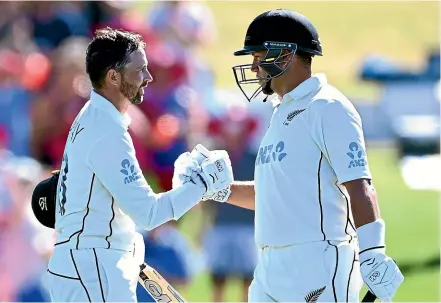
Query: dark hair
{"x": 304, "y": 57}
{"x": 110, "y": 49}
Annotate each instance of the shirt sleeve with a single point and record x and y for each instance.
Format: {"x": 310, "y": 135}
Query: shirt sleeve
{"x": 339, "y": 134}
{"x": 114, "y": 163}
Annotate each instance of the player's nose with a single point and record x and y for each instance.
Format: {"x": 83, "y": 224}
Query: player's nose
{"x": 148, "y": 76}
{"x": 255, "y": 67}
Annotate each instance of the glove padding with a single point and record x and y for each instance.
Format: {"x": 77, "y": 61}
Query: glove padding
{"x": 217, "y": 171}
{"x": 382, "y": 275}
{"x": 220, "y": 196}
{"x": 187, "y": 170}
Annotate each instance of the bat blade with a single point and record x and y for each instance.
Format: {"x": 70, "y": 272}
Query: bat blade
{"x": 157, "y": 286}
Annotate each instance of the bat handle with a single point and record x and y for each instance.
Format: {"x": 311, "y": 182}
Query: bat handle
{"x": 369, "y": 297}
{"x": 200, "y": 153}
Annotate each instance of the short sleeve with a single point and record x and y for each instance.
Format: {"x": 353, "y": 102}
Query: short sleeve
{"x": 339, "y": 134}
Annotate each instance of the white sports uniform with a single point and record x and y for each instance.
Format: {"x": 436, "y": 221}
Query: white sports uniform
{"x": 102, "y": 194}
{"x": 303, "y": 221}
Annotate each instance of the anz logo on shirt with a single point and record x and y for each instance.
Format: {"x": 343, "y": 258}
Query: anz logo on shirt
{"x": 129, "y": 171}
{"x": 356, "y": 154}
{"x": 271, "y": 153}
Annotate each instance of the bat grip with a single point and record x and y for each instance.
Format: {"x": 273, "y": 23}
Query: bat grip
{"x": 142, "y": 266}
{"x": 200, "y": 153}
{"x": 369, "y": 297}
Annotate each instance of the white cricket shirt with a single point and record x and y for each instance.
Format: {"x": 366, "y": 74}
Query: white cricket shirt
{"x": 314, "y": 144}
{"x": 102, "y": 193}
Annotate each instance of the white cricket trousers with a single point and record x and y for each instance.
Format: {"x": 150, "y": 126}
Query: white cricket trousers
{"x": 325, "y": 271}
{"x": 92, "y": 275}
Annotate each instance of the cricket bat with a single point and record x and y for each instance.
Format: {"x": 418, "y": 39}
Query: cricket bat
{"x": 369, "y": 297}
{"x": 157, "y": 286}
{"x": 200, "y": 153}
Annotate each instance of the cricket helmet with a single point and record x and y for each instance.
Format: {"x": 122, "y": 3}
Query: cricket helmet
{"x": 274, "y": 31}
{"x": 44, "y": 199}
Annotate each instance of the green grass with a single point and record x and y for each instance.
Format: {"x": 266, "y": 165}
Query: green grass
{"x": 421, "y": 287}
{"x": 350, "y": 30}
{"x": 412, "y": 233}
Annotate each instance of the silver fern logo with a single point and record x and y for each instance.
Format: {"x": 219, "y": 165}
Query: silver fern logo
{"x": 291, "y": 115}
{"x": 314, "y": 295}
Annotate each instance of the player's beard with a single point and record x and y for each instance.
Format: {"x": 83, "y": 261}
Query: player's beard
{"x": 133, "y": 93}
{"x": 263, "y": 79}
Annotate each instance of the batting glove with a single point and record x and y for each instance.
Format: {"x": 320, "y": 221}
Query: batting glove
{"x": 201, "y": 154}
{"x": 379, "y": 272}
{"x": 220, "y": 196}
{"x": 217, "y": 171}
{"x": 187, "y": 170}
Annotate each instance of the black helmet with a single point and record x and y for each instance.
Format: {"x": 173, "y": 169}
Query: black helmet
{"x": 275, "y": 31}
{"x": 43, "y": 200}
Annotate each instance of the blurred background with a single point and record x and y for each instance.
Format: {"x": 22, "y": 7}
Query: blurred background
{"x": 384, "y": 56}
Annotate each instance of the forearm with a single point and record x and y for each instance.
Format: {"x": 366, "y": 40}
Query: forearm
{"x": 366, "y": 213}
{"x": 242, "y": 194}
{"x": 364, "y": 203}
{"x": 169, "y": 206}
{"x": 150, "y": 210}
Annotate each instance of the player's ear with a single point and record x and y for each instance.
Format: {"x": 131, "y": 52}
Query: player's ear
{"x": 113, "y": 77}
{"x": 285, "y": 57}
{"x": 289, "y": 54}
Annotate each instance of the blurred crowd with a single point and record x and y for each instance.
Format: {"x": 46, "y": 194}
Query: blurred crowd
{"x": 43, "y": 85}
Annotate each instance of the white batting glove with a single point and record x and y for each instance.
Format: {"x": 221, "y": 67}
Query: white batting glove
{"x": 379, "y": 272}
{"x": 382, "y": 275}
{"x": 187, "y": 170}
{"x": 217, "y": 171}
{"x": 220, "y": 196}
{"x": 200, "y": 153}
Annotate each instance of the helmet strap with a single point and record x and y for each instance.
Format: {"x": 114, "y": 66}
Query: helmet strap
{"x": 266, "y": 89}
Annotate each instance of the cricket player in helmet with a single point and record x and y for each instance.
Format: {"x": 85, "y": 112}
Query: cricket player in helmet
{"x": 279, "y": 36}
{"x": 317, "y": 217}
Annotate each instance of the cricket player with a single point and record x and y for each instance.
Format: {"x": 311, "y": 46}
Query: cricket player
{"x": 102, "y": 193}
{"x": 317, "y": 219}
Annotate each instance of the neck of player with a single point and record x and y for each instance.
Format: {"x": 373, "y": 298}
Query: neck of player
{"x": 117, "y": 99}
{"x": 290, "y": 79}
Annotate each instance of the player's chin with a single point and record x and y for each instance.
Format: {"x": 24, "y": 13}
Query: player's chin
{"x": 139, "y": 98}
{"x": 262, "y": 80}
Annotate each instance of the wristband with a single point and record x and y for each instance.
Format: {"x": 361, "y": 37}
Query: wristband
{"x": 371, "y": 238}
